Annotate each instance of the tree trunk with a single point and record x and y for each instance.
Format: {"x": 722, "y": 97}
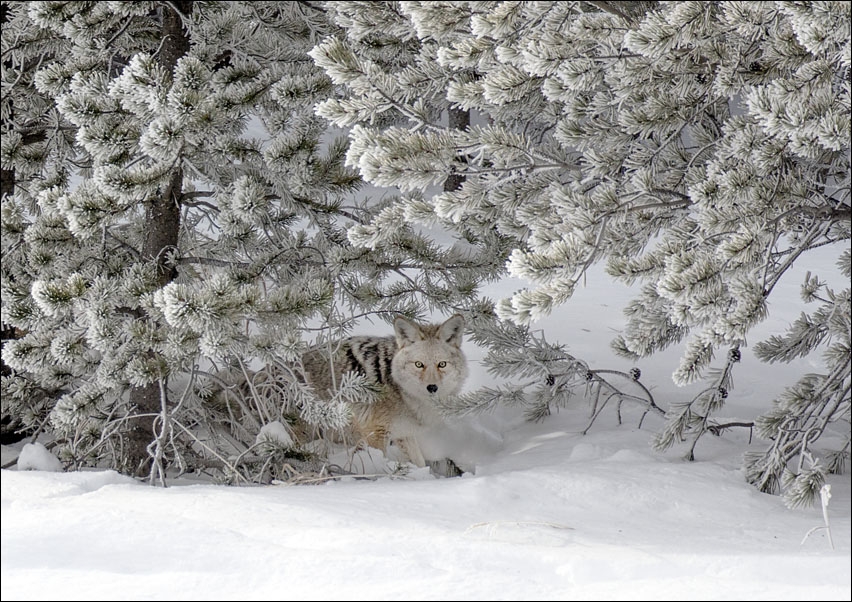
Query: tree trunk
{"x": 163, "y": 219}
{"x": 459, "y": 119}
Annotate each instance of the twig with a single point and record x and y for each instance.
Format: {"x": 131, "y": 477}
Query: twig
{"x": 825, "y": 496}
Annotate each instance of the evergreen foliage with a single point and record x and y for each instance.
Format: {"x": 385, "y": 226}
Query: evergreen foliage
{"x": 165, "y": 264}
{"x": 698, "y": 148}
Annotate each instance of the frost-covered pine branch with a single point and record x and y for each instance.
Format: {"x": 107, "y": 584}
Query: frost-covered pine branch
{"x": 692, "y": 419}
{"x": 815, "y": 404}
{"x": 542, "y": 377}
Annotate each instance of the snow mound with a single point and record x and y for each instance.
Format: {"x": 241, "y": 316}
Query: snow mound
{"x": 35, "y": 456}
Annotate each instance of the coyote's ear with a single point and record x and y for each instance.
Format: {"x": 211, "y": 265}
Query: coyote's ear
{"x": 406, "y": 332}
{"x": 452, "y": 330}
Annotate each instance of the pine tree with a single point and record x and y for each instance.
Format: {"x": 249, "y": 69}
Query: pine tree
{"x": 145, "y": 112}
{"x": 698, "y": 148}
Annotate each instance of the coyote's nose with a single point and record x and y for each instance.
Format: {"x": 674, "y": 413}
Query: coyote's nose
{"x": 431, "y": 388}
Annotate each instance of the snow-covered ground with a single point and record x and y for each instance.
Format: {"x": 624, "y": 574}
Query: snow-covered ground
{"x": 550, "y": 514}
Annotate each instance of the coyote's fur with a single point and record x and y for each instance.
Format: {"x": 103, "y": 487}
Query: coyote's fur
{"x": 414, "y": 369}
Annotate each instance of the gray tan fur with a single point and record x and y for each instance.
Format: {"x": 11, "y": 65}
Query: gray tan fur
{"x": 413, "y": 370}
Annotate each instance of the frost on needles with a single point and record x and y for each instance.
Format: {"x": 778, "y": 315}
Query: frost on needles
{"x": 181, "y": 211}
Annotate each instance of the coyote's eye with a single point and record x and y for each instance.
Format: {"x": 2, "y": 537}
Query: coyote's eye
{"x": 442, "y": 364}
{"x": 418, "y": 364}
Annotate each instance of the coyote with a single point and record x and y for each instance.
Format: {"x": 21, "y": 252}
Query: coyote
{"x": 413, "y": 369}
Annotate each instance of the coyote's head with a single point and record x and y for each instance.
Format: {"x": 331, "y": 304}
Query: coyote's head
{"x": 429, "y": 362}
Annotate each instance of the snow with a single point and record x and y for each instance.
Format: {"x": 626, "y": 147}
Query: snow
{"x": 550, "y": 514}
{"x": 275, "y": 432}
{"x": 35, "y": 456}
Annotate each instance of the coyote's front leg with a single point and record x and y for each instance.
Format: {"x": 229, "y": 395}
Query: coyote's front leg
{"x": 411, "y": 450}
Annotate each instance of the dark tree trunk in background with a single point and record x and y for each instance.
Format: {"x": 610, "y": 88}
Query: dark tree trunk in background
{"x": 458, "y": 120}
{"x": 163, "y": 218}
